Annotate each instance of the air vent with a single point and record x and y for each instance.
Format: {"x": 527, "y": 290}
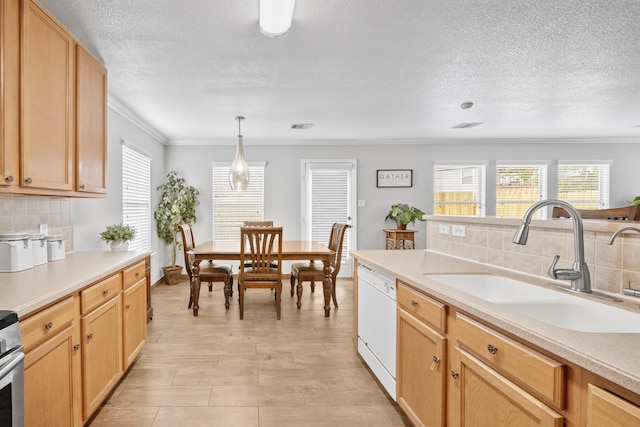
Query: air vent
{"x": 301, "y": 125}
{"x": 466, "y": 125}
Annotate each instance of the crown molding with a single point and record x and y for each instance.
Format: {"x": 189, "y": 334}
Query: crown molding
{"x": 125, "y": 112}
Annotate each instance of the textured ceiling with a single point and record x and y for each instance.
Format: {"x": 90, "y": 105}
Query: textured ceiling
{"x": 393, "y": 70}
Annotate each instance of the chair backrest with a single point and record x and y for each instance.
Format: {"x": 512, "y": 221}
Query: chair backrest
{"x": 335, "y": 244}
{"x": 187, "y": 244}
{"x": 258, "y": 224}
{"x": 260, "y": 247}
{"x": 624, "y": 213}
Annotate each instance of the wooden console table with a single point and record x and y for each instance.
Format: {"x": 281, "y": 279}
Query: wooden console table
{"x": 400, "y": 239}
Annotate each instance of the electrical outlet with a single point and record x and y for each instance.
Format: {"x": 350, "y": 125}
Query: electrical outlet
{"x": 443, "y": 229}
{"x": 458, "y": 230}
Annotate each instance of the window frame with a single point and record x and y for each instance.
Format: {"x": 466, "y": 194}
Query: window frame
{"x": 478, "y": 188}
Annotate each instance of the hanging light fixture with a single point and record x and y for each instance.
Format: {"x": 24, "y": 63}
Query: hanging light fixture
{"x": 276, "y": 16}
{"x": 239, "y": 171}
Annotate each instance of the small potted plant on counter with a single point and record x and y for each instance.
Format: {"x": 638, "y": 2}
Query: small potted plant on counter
{"x": 118, "y": 236}
{"x": 404, "y": 214}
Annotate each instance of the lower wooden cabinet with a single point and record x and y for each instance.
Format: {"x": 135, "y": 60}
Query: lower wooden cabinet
{"x": 52, "y": 382}
{"x": 607, "y": 409}
{"x": 489, "y": 399}
{"x": 134, "y": 322}
{"x": 421, "y": 367}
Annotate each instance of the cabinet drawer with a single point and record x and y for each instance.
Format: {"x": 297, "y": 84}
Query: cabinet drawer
{"x": 423, "y": 307}
{"x": 101, "y": 292}
{"x": 530, "y": 369}
{"x": 47, "y": 323}
{"x": 131, "y": 275}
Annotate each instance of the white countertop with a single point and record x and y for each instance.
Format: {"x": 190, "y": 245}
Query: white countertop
{"x": 29, "y": 290}
{"x": 615, "y": 357}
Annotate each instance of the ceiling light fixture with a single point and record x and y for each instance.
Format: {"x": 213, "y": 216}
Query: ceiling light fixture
{"x": 276, "y": 16}
{"x": 239, "y": 170}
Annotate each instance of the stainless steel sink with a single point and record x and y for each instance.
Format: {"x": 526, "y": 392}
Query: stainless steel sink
{"x": 554, "y": 307}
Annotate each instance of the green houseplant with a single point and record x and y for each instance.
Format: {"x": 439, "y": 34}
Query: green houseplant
{"x": 403, "y": 214}
{"x": 118, "y": 236}
{"x": 177, "y": 206}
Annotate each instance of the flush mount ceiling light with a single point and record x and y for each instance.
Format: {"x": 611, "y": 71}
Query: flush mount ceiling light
{"x": 239, "y": 170}
{"x": 276, "y": 16}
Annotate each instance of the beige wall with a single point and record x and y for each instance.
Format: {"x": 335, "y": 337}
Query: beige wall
{"x": 488, "y": 240}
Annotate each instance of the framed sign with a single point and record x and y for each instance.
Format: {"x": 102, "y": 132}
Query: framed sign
{"x": 389, "y": 178}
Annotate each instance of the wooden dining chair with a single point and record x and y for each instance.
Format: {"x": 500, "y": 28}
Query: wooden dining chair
{"x": 314, "y": 271}
{"x": 624, "y": 213}
{"x": 209, "y": 272}
{"x": 261, "y": 248}
{"x": 258, "y": 224}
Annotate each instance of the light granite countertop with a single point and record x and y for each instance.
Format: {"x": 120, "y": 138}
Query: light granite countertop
{"x": 29, "y": 290}
{"x": 615, "y": 357}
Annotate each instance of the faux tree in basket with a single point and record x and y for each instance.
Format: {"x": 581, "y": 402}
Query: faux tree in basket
{"x": 403, "y": 214}
{"x": 177, "y": 206}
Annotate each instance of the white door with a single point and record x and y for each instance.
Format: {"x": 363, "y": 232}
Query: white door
{"x": 328, "y": 196}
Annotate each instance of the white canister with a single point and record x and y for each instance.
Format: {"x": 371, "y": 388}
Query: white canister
{"x": 15, "y": 252}
{"x": 55, "y": 248}
{"x": 39, "y": 246}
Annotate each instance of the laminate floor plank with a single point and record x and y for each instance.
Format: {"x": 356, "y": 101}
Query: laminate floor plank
{"x": 216, "y": 370}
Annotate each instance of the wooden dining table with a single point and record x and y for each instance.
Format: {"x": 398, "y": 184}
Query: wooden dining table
{"x": 292, "y": 250}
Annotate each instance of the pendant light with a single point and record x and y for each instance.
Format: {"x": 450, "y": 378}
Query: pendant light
{"x": 239, "y": 171}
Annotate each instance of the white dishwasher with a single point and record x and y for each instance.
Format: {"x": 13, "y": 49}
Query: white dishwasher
{"x": 377, "y": 324}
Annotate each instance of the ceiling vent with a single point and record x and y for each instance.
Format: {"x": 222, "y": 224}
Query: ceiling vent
{"x": 301, "y": 125}
{"x": 466, "y": 125}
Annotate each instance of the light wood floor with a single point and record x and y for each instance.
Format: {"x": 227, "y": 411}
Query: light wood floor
{"x": 215, "y": 370}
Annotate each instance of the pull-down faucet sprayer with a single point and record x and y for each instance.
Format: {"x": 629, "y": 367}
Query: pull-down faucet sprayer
{"x": 579, "y": 274}
{"x": 614, "y": 235}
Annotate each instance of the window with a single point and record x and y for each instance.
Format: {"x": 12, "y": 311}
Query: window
{"x": 136, "y": 196}
{"x": 459, "y": 189}
{"x": 518, "y": 186}
{"x": 232, "y": 208}
{"x": 584, "y": 185}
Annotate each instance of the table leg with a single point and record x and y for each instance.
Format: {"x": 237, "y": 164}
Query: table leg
{"x": 326, "y": 287}
{"x": 195, "y": 286}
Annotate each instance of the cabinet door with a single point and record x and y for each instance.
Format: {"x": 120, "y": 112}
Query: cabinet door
{"x": 52, "y": 386}
{"x": 489, "y": 399}
{"x": 9, "y": 92}
{"x": 47, "y": 145}
{"x": 421, "y": 371}
{"x": 91, "y": 119}
{"x": 102, "y": 355}
{"x": 605, "y": 408}
{"x": 134, "y": 321}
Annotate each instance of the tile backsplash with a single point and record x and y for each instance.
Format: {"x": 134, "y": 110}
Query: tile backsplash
{"x": 20, "y": 213}
{"x": 489, "y": 240}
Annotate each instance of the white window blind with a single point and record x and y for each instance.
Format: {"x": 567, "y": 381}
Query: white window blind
{"x": 232, "y": 208}
{"x": 518, "y": 186}
{"x": 584, "y": 185}
{"x": 136, "y": 196}
{"x": 459, "y": 189}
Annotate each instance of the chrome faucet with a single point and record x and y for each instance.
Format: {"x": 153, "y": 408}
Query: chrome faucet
{"x": 614, "y": 235}
{"x": 579, "y": 274}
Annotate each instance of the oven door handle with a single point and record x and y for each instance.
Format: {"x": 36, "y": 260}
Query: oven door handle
{"x": 13, "y": 361}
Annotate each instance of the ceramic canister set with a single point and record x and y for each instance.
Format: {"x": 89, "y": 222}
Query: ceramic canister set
{"x": 21, "y": 251}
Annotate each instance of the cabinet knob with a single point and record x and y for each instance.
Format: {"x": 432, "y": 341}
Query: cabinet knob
{"x": 492, "y": 349}
{"x": 137, "y": 273}
{"x": 128, "y": 306}
{"x": 436, "y": 362}
{"x": 414, "y": 302}
{"x": 76, "y": 347}
{"x": 105, "y": 292}
{"x": 82, "y": 187}
{"x": 454, "y": 375}
{"x": 89, "y": 336}
{"x": 28, "y": 181}
{"x": 9, "y": 178}
{"x": 48, "y": 326}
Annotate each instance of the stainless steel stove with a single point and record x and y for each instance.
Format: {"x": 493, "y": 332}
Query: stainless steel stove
{"x": 11, "y": 371}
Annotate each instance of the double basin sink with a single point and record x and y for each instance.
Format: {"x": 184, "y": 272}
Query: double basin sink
{"x": 547, "y": 305}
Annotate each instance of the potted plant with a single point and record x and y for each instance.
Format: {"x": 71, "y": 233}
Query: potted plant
{"x": 118, "y": 236}
{"x": 404, "y": 214}
{"x": 177, "y": 206}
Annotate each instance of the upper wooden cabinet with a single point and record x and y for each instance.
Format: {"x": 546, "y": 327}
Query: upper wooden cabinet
{"x": 53, "y": 99}
{"x": 91, "y": 119}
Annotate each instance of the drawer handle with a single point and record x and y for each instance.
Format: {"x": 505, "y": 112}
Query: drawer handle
{"x": 89, "y": 336}
{"x": 76, "y": 347}
{"x": 454, "y": 375}
{"x": 492, "y": 349}
{"x": 414, "y": 302}
{"x": 436, "y": 362}
{"x": 105, "y": 292}
{"x": 48, "y": 326}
